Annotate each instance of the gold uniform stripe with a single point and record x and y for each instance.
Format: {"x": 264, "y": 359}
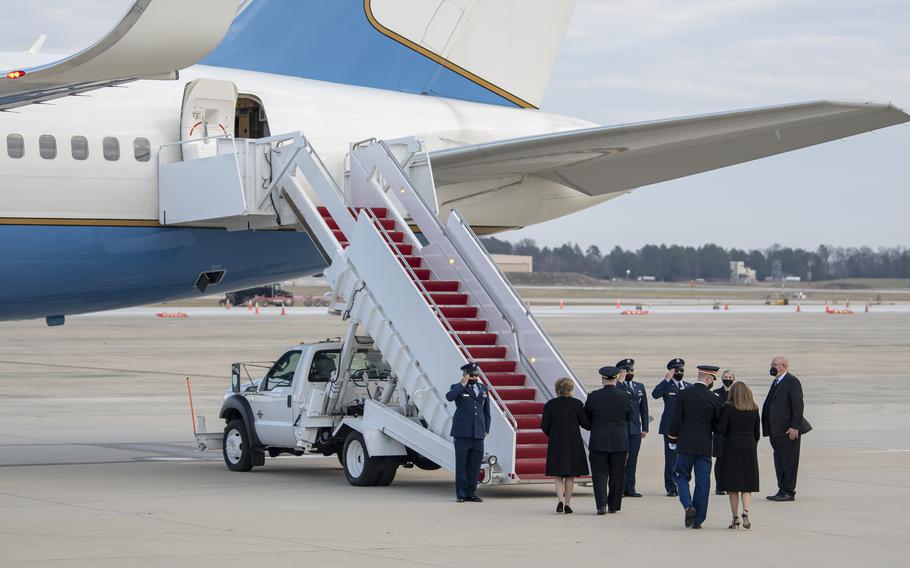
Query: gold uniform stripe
{"x": 442, "y": 60}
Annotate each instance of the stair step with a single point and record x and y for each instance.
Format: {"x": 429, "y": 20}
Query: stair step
{"x": 532, "y": 466}
{"x": 528, "y": 421}
{"x": 324, "y": 211}
{"x": 404, "y": 249}
{"x": 516, "y": 393}
{"x": 445, "y": 299}
{"x": 505, "y": 379}
{"x": 462, "y": 312}
{"x": 496, "y": 366}
{"x": 339, "y": 235}
{"x": 487, "y": 352}
{"x": 387, "y": 224}
{"x": 330, "y": 222}
{"x": 531, "y": 451}
{"x": 412, "y": 261}
{"x": 440, "y": 285}
{"x": 522, "y": 408}
{"x": 530, "y": 437}
{"x": 421, "y": 273}
{"x": 395, "y": 236}
{"x": 478, "y": 338}
{"x": 459, "y": 324}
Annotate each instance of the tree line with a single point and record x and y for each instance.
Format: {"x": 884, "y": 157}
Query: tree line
{"x": 676, "y": 263}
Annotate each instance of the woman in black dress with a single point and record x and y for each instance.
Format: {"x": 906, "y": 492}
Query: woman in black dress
{"x": 563, "y": 418}
{"x": 737, "y": 469}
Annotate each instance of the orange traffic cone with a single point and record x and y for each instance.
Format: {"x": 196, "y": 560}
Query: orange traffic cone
{"x": 227, "y": 304}
{"x": 798, "y": 310}
{"x": 257, "y": 308}
{"x": 726, "y": 307}
{"x": 282, "y": 310}
{"x": 562, "y": 304}
{"x": 618, "y": 305}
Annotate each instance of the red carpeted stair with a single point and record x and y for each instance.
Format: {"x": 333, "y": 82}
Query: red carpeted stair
{"x": 454, "y": 307}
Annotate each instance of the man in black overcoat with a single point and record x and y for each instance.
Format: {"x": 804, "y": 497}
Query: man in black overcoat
{"x": 783, "y": 422}
{"x": 697, "y": 411}
{"x": 609, "y": 410}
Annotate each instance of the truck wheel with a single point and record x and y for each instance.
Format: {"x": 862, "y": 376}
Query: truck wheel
{"x": 387, "y": 473}
{"x": 340, "y": 456}
{"x": 236, "y": 448}
{"x": 360, "y": 469}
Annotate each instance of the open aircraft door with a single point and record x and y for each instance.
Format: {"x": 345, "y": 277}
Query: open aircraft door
{"x": 208, "y": 111}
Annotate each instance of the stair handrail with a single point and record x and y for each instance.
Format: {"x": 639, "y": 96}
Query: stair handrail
{"x": 533, "y": 319}
{"x": 538, "y": 381}
{"x": 438, "y": 310}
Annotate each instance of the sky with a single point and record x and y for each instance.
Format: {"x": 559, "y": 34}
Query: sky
{"x": 638, "y": 60}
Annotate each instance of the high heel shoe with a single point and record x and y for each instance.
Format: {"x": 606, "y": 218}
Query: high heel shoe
{"x": 735, "y": 523}
{"x": 559, "y": 507}
{"x": 746, "y": 523}
{"x": 568, "y": 510}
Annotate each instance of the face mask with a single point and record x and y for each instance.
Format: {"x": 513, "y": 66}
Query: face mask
{"x": 678, "y": 375}
{"x": 728, "y": 382}
{"x": 629, "y": 377}
{"x": 773, "y": 371}
{"x": 472, "y": 381}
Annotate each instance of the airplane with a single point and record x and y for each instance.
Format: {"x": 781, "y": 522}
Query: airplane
{"x": 81, "y": 135}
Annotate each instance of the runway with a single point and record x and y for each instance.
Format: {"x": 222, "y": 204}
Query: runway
{"x": 97, "y": 466}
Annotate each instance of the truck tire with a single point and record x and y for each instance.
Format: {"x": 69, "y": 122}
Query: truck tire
{"x": 360, "y": 469}
{"x": 236, "y": 447}
{"x": 387, "y": 473}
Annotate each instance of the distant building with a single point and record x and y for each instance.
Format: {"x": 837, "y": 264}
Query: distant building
{"x": 514, "y": 262}
{"x": 741, "y": 273}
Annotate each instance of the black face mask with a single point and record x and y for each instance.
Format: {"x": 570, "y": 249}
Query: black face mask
{"x": 678, "y": 375}
{"x": 773, "y": 371}
{"x": 728, "y": 382}
{"x": 472, "y": 381}
{"x": 629, "y": 377}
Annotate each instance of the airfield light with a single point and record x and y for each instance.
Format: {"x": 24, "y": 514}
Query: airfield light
{"x": 402, "y": 191}
{"x": 15, "y": 74}
{"x": 451, "y": 261}
{"x": 533, "y": 360}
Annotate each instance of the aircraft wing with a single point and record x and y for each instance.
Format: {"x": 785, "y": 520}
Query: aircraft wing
{"x": 153, "y": 40}
{"x": 610, "y": 159}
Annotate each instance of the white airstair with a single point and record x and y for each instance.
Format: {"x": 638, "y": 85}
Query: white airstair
{"x": 429, "y": 303}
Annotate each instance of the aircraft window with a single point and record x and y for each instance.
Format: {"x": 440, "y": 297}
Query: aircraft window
{"x": 142, "y": 150}
{"x": 111, "y": 149}
{"x": 47, "y": 146}
{"x": 79, "y": 146}
{"x": 15, "y": 146}
{"x": 282, "y": 372}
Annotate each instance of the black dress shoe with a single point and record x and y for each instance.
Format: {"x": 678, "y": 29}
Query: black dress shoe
{"x": 672, "y": 493}
{"x": 785, "y": 497}
{"x": 696, "y": 526}
{"x": 601, "y": 511}
{"x": 774, "y": 497}
{"x": 459, "y": 500}
{"x": 690, "y": 516}
{"x": 560, "y": 507}
{"x": 633, "y": 494}
{"x": 568, "y": 510}
{"x": 612, "y": 511}
{"x": 720, "y": 492}
{"x": 474, "y": 499}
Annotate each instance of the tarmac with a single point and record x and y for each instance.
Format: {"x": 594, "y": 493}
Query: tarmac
{"x": 98, "y": 468}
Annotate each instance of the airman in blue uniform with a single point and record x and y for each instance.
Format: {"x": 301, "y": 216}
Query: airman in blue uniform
{"x": 669, "y": 389}
{"x": 470, "y": 425}
{"x": 638, "y": 424}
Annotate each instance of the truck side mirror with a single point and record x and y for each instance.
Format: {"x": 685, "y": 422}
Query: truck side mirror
{"x": 235, "y": 377}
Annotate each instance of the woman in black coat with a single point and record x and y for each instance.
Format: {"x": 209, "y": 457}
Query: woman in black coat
{"x": 737, "y": 468}
{"x": 563, "y": 418}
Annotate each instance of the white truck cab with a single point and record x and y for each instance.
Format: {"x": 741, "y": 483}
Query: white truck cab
{"x": 312, "y": 400}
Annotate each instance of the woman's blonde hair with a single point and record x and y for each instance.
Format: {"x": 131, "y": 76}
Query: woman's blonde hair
{"x": 741, "y": 397}
{"x": 564, "y": 387}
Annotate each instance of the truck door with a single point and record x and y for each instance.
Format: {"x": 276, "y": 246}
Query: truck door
{"x": 209, "y": 108}
{"x": 272, "y": 403}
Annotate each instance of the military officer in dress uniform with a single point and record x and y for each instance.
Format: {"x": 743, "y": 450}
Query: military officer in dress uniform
{"x": 668, "y": 389}
{"x": 638, "y": 424}
{"x": 470, "y": 425}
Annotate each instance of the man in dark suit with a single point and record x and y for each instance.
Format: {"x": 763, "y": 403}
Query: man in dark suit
{"x": 783, "y": 422}
{"x": 727, "y": 378}
{"x": 638, "y": 424}
{"x": 609, "y": 410}
{"x": 470, "y": 425}
{"x": 669, "y": 389}
{"x": 697, "y": 411}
